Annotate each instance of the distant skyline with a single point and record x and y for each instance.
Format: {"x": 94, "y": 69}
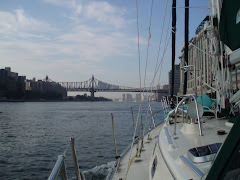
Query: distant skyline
{"x": 71, "y": 40}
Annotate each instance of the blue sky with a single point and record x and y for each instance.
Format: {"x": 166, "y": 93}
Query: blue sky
{"x": 71, "y": 40}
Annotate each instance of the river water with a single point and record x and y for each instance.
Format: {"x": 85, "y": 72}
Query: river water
{"x": 33, "y": 134}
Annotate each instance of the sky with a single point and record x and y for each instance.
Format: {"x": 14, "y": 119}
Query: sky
{"x": 71, "y": 40}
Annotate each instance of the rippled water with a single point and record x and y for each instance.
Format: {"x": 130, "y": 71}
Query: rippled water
{"x": 33, "y": 134}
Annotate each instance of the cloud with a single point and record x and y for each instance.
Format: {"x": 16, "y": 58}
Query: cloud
{"x": 100, "y": 11}
{"x": 37, "y": 46}
{"x": 94, "y": 44}
{"x": 74, "y": 5}
{"x": 105, "y": 13}
{"x": 18, "y": 22}
{"x": 63, "y": 3}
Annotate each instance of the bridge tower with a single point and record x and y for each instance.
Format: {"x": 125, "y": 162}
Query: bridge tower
{"x": 92, "y": 90}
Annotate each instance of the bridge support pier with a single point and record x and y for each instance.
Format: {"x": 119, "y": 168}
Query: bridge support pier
{"x": 92, "y": 93}
{"x": 92, "y": 90}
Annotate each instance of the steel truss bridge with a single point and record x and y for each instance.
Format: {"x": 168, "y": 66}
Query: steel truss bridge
{"x": 94, "y": 85}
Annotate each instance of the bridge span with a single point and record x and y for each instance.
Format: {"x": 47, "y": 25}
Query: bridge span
{"x": 94, "y": 85}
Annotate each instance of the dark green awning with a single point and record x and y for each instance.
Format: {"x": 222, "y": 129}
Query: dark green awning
{"x": 230, "y": 24}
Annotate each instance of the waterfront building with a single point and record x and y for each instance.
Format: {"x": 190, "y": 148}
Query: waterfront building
{"x": 5, "y": 74}
{"x": 198, "y": 57}
{"x": 129, "y": 98}
{"x": 138, "y": 97}
{"x": 14, "y": 86}
{"x": 3, "y": 78}
{"x": 11, "y": 85}
{"x": 46, "y": 88}
{"x": 28, "y": 85}
{"x": 123, "y": 97}
{"x": 12, "y": 82}
{"x": 166, "y": 86}
{"x": 21, "y": 84}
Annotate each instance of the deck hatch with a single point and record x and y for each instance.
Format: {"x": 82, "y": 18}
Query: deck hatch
{"x": 203, "y": 153}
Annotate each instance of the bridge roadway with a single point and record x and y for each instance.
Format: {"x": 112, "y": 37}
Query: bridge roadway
{"x": 94, "y": 85}
{"x": 160, "y": 92}
{"x": 118, "y": 90}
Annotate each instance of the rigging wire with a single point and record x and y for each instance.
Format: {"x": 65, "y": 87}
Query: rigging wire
{"x": 139, "y": 110}
{"x": 156, "y": 69}
{"x": 139, "y": 65}
{"x": 166, "y": 45}
{"x": 149, "y": 38}
{"x": 158, "y": 65}
{"x": 165, "y": 48}
{"x": 159, "y": 47}
{"x": 151, "y": 85}
{"x": 139, "y": 57}
{"x": 164, "y": 51}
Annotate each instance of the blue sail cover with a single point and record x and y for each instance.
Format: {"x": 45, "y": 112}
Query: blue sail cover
{"x": 207, "y": 101}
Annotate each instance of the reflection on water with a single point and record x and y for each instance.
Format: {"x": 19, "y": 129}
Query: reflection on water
{"x": 33, "y": 134}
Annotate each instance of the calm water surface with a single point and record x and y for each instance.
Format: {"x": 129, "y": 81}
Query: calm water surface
{"x": 33, "y": 134}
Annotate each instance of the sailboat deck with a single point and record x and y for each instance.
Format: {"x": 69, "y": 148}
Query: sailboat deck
{"x": 176, "y": 153}
{"x": 139, "y": 168}
{"x": 169, "y": 152}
